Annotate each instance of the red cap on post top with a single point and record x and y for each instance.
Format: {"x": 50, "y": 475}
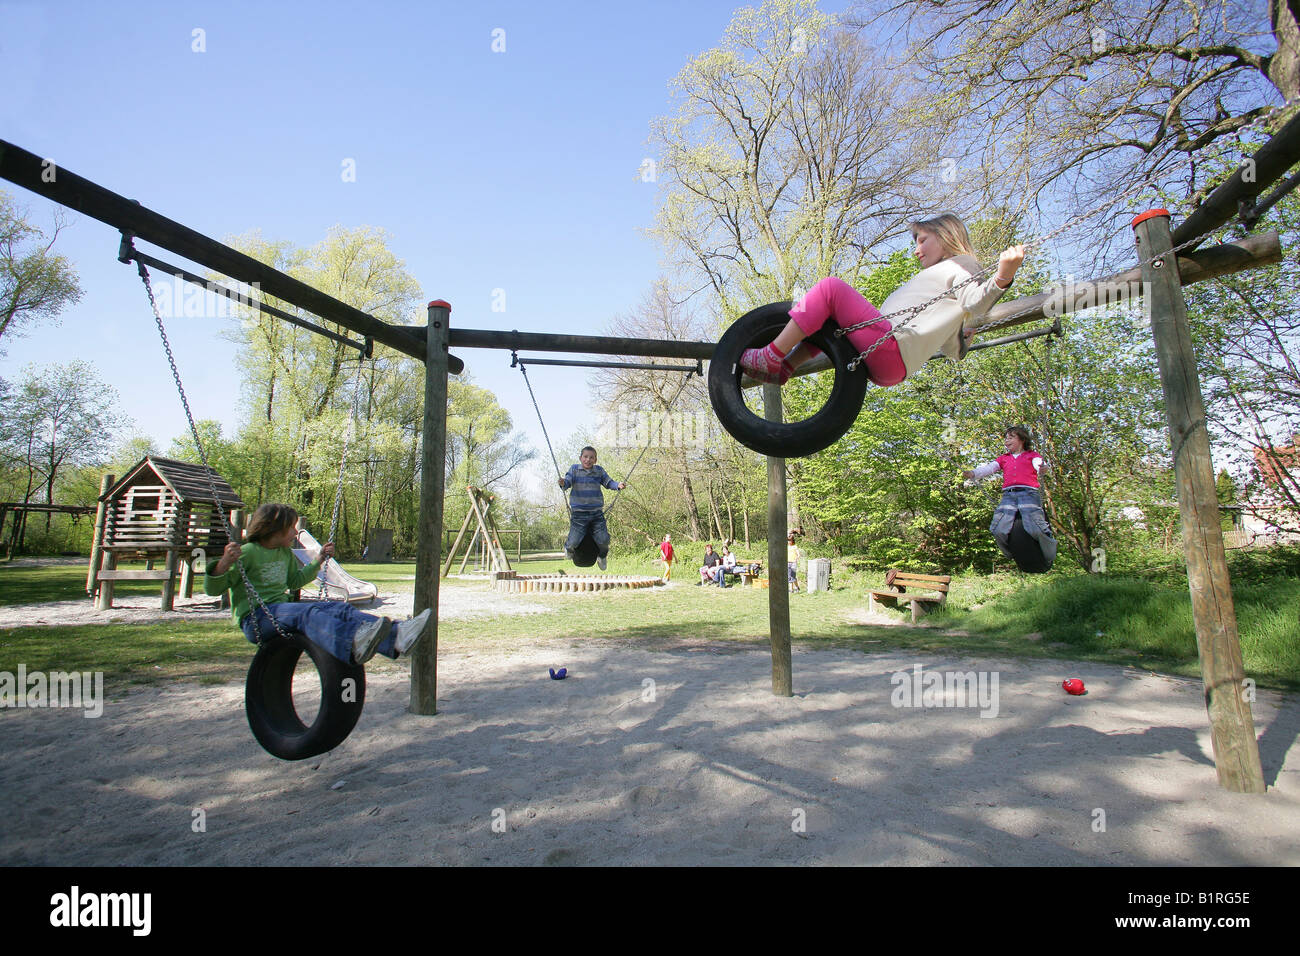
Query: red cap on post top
{"x": 447, "y": 305}
{"x": 1149, "y": 214}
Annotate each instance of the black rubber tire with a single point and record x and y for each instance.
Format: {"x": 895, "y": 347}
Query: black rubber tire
{"x": 1025, "y": 549}
{"x": 584, "y": 555}
{"x": 795, "y": 439}
{"x": 268, "y": 699}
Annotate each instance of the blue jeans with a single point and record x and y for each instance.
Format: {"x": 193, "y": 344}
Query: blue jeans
{"x": 1030, "y": 505}
{"x": 331, "y": 625}
{"x": 582, "y": 521}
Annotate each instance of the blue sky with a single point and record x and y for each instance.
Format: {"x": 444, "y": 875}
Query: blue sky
{"x": 514, "y": 170}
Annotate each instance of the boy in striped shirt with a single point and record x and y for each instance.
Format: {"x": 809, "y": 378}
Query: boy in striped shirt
{"x": 587, "y": 504}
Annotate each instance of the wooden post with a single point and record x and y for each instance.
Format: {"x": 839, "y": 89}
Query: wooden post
{"x": 237, "y": 535}
{"x": 169, "y": 585}
{"x": 187, "y": 576}
{"x": 451, "y": 552}
{"x": 105, "y": 600}
{"x": 97, "y": 540}
{"x": 1232, "y": 729}
{"x": 778, "y": 592}
{"x": 433, "y": 452}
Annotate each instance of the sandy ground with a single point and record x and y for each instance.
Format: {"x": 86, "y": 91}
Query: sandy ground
{"x": 454, "y": 603}
{"x": 700, "y": 765}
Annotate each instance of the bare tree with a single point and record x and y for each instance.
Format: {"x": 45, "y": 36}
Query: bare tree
{"x": 657, "y": 409}
{"x": 791, "y": 156}
{"x": 1074, "y": 103}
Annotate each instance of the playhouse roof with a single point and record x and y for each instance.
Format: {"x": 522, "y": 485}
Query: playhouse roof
{"x": 187, "y": 480}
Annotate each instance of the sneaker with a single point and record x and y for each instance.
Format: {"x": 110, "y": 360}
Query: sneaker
{"x": 600, "y": 562}
{"x": 408, "y": 632}
{"x": 368, "y": 638}
{"x": 762, "y": 365}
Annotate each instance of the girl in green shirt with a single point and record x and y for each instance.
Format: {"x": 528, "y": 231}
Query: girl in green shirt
{"x": 273, "y": 572}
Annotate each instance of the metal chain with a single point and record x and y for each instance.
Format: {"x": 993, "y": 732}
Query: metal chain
{"x": 516, "y": 360}
{"x": 914, "y": 311}
{"x": 988, "y": 326}
{"x": 515, "y": 356}
{"x": 862, "y": 357}
{"x": 207, "y": 471}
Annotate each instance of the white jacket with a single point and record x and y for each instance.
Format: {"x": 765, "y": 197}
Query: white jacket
{"x": 938, "y": 328}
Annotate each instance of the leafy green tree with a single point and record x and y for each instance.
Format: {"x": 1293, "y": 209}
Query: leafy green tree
{"x": 59, "y": 417}
{"x": 35, "y": 282}
{"x": 1093, "y": 402}
{"x": 301, "y": 388}
{"x": 791, "y": 156}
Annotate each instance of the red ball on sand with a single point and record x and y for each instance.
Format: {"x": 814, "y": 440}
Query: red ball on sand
{"x": 1074, "y": 686}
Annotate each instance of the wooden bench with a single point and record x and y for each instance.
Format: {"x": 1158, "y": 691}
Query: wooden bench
{"x": 899, "y": 582}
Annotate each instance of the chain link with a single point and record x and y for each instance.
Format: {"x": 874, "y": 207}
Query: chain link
{"x": 554, "y": 461}
{"x": 1000, "y": 323}
{"x": 685, "y": 381}
{"x": 207, "y": 471}
{"x": 516, "y": 360}
{"x": 913, "y": 312}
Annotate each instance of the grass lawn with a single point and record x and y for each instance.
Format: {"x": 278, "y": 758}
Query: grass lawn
{"x": 1118, "y": 620}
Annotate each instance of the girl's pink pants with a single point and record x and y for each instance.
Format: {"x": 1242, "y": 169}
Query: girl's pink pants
{"x": 833, "y": 298}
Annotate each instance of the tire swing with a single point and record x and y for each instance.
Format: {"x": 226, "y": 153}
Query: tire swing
{"x": 268, "y": 689}
{"x": 1026, "y": 551}
{"x": 268, "y": 698}
{"x": 584, "y": 555}
{"x": 756, "y": 329}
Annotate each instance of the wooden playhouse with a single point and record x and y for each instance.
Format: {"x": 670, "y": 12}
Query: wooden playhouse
{"x": 161, "y": 510}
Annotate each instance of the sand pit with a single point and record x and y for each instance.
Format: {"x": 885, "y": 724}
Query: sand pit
{"x": 702, "y": 766}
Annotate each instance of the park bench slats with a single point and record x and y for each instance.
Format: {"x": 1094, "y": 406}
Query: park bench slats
{"x": 898, "y": 584}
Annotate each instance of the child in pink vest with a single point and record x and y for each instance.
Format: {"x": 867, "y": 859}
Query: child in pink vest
{"x": 1020, "y": 468}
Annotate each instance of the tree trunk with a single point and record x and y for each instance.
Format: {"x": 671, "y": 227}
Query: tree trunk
{"x": 1284, "y": 65}
{"x": 692, "y": 508}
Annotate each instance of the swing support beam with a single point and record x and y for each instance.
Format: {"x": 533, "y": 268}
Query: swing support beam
{"x": 127, "y": 252}
{"x": 1232, "y": 728}
{"x": 45, "y": 178}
